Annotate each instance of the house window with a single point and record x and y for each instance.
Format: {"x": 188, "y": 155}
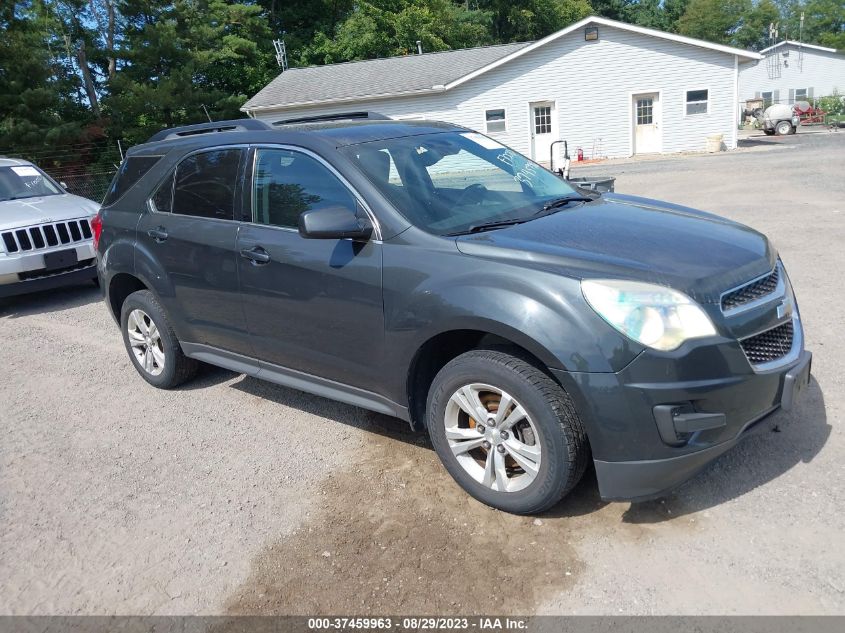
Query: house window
{"x": 645, "y": 111}
{"x": 800, "y": 94}
{"x": 697, "y": 101}
{"x": 495, "y": 120}
{"x": 543, "y": 120}
{"x": 768, "y": 98}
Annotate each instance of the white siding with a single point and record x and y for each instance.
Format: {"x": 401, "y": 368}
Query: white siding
{"x": 820, "y": 71}
{"x": 592, "y": 84}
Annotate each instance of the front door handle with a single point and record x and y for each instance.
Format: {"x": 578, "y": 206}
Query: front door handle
{"x": 256, "y": 255}
{"x": 159, "y": 234}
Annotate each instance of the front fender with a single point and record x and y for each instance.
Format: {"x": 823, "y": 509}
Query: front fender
{"x": 541, "y": 311}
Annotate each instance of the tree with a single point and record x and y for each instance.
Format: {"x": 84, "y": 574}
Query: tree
{"x": 753, "y": 32}
{"x": 523, "y": 20}
{"x": 38, "y": 88}
{"x": 178, "y": 59}
{"x": 824, "y": 23}
{"x": 384, "y": 28}
{"x": 713, "y": 20}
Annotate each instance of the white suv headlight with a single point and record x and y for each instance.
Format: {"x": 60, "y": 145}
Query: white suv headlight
{"x": 656, "y": 316}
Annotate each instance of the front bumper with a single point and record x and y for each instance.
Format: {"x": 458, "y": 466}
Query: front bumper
{"x": 24, "y": 273}
{"x": 712, "y": 386}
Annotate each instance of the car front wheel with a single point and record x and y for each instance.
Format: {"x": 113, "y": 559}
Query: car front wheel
{"x": 506, "y": 432}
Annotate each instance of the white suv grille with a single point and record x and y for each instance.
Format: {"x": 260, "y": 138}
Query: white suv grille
{"x": 34, "y": 238}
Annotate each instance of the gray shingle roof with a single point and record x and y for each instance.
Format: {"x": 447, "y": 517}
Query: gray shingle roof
{"x": 388, "y": 76}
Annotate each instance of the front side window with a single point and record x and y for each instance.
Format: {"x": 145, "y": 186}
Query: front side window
{"x": 287, "y": 183}
{"x": 697, "y": 101}
{"x": 25, "y": 181}
{"x": 450, "y": 182}
{"x": 495, "y": 120}
{"x": 205, "y": 184}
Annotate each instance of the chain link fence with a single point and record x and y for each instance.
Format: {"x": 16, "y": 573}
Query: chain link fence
{"x": 84, "y": 169}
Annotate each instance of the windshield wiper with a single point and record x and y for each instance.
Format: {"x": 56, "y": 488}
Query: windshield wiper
{"x": 488, "y": 226}
{"x": 562, "y": 202}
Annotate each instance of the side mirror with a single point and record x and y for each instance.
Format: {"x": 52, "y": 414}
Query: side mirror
{"x": 334, "y": 223}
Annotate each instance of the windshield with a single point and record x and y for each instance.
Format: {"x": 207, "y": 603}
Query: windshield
{"x": 25, "y": 181}
{"x": 451, "y": 182}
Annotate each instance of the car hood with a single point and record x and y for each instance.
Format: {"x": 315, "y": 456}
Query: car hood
{"x": 627, "y": 237}
{"x": 44, "y": 209}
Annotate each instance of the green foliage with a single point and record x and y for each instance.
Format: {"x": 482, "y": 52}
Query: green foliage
{"x": 383, "y": 28}
{"x": 524, "y": 20}
{"x": 832, "y": 104}
{"x": 178, "y": 57}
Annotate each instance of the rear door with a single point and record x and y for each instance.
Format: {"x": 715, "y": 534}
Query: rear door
{"x": 311, "y": 305}
{"x": 191, "y": 234}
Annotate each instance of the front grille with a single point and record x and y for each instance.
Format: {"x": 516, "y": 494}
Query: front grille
{"x": 752, "y": 291}
{"x": 40, "y": 274}
{"x": 35, "y": 238}
{"x": 769, "y": 345}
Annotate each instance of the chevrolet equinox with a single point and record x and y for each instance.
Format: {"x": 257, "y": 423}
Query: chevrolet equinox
{"x": 427, "y": 272}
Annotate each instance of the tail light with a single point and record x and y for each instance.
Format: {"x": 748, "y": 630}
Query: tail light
{"x": 96, "y": 229}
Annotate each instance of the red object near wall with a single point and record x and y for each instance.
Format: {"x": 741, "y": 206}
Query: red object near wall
{"x": 580, "y": 153}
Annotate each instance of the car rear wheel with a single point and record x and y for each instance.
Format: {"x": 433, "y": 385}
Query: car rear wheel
{"x": 506, "y": 432}
{"x": 151, "y": 342}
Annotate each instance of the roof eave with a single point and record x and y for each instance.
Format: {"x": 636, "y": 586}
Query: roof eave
{"x": 303, "y": 104}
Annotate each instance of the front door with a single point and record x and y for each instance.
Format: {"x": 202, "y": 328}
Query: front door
{"x": 543, "y": 129}
{"x": 646, "y": 123}
{"x": 311, "y": 305}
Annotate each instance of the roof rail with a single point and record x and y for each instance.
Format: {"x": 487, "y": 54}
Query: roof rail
{"x": 235, "y": 125}
{"x": 338, "y": 116}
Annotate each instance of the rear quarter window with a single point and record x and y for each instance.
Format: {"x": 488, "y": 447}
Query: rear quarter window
{"x": 131, "y": 170}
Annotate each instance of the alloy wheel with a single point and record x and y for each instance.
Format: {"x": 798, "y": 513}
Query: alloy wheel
{"x": 492, "y": 437}
{"x": 145, "y": 342}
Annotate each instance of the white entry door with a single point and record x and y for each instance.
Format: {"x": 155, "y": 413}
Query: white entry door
{"x": 543, "y": 130}
{"x": 646, "y": 122}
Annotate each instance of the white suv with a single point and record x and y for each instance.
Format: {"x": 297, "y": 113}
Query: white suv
{"x": 45, "y": 232}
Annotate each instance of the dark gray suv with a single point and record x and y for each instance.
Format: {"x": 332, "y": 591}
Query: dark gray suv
{"x": 427, "y": 272}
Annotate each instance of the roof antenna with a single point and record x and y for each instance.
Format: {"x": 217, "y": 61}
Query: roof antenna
{"x": 206, "y": 113}
{"x": 419, "y": 47}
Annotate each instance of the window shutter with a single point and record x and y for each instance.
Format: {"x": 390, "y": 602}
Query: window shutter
{"x": 792, "y": 95}
{"x": 776, "y": 96}
{"x": 810, "y": 93}
{"x": 756, "y": 94}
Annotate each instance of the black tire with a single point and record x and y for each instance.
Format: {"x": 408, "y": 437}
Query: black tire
{"x": 563, "y": 443}
{"x": 769, "y": 132}
{"x": 177, "y": 367}
{"x": 783, "y": 128}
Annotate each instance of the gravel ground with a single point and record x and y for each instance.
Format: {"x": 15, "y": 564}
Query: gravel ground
{"x": 236, "y": 496}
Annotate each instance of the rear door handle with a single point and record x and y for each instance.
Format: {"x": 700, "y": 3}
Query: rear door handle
{"x": 159, "y": 234}
{"x": 256, "y": 255}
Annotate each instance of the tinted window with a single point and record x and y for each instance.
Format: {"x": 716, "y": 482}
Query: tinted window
{"x": 163, "y": 198}
{"x": 205, "y": 184}
{"x": 130, "y": 172}
{"x": 287, "y": 183}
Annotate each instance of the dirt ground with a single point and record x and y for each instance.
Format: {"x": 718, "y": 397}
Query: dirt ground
{"x": 235, "y": 496}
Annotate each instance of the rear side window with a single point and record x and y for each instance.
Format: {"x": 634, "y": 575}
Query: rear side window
{"x": 163, "y": 197}
{"x": 131, "y": 170}
{"x": 205, "y": 185}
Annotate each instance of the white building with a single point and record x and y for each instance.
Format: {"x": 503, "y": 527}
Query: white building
{"x": 610, "y": 88}
{"x": 790, "y": 72}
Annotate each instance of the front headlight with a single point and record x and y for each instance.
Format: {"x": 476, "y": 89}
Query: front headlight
{"x": 656, "y": 316}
